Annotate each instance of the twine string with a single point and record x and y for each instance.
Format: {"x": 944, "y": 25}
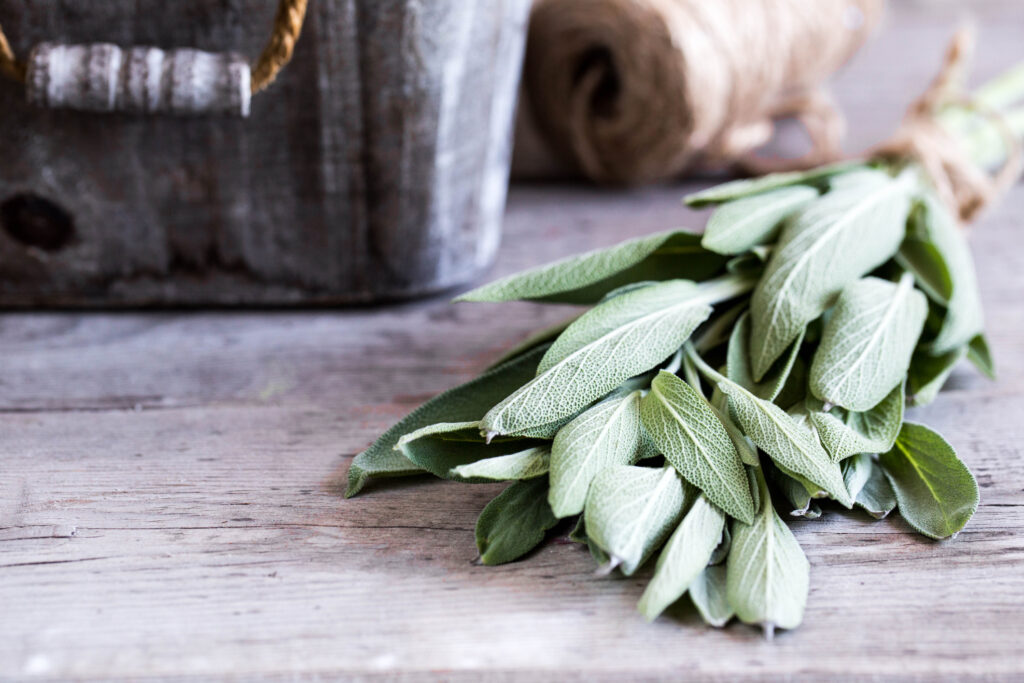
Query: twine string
{"x": 962, "y": 184}
{"x": 278, "y": 52}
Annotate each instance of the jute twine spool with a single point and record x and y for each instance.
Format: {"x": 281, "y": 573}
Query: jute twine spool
{"x": 633, "y": 91}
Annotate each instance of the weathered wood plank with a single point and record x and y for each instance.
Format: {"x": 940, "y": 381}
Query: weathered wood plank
{"x": 171, "y": 491}
{"x": 375, "y": 167}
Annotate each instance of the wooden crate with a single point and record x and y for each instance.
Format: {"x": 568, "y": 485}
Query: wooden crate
{"x": 374, "y": 168}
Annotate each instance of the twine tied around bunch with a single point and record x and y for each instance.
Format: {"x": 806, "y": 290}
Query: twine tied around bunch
{"x": 961, "y": 182}
{"x": 278, "y": 52}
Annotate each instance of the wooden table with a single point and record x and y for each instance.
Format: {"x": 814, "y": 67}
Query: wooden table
{"x": 171, "y": 483}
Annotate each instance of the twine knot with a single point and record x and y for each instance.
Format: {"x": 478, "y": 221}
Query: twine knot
{"x": 961, "y": 182}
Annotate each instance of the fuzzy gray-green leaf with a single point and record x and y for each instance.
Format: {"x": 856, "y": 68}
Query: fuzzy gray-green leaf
{"x": 738, "y": 363}
{"x": 467, "y": 402}
{"x": 790, "y": 445}
{"x": 829, "y": 244}
{"x": 630, "y": 510}
{"x": 443, "y": 448}
{"x": 980, "y": 355}
{"x": 767, "y": 578}
{"x": 737, "y": 189}
{"x": 686, "y": 429}
{"x": 876, "y": 497}
{"x": 685, "y": 555}
{"x": 845, "y": 433}
{"x": 745, "y": 223}
{"x": 521, "y": 465}
{"x": 708, "y": 593}
{"x": 586, "y": 278}
{"x": 660, "y": 324}
{"x": 868, "y": 342}
{"x": 607, "y": 434}
{"x": 933, "y": 224}
{"x": 514, "y": 523}
{"x": 928, "y": 373}
{"x": 936, "y": 492}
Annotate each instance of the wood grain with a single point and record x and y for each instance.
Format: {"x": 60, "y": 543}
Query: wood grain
{"x": 375, "y": 167}
{"x": 171, "y": 487}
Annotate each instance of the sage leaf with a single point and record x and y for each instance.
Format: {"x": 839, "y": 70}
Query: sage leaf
{"x": 613, "y": 314}
{"x": 845, "y": 433}
{"x": 787, "y": 443}
{"x": 685, "y": 555}
{"x": 737, "y": 189}
{"x": 767, "y": 577}
{"x": 937, "y": 494}
{"x": 587, "y": 278}
{"x": 442, "y": 448}
{"x": 980, "y": 355}
{"x": 797, "y": 492}
{"x": 868, "y": 342}
{"x": 857, "y": 472}
{"x": 933, "y": 224}
{"x": 742, "y": 224}
{"x": 466, "y": 402}
{"x": 522, "y": 465}
{"x": 630, "y": 510}
{"x": 738, "y": 363}
{"x": 928, "y": 373}
{"x": 662, "y": 323}
{"x": 607, "y": 434}
{"x": 876, "y": 497}
{"x": 826, "y": 246}
{"x": 708, "y": 593}
{"x": 514, "y": 523}
{"x": 688, "y": 432}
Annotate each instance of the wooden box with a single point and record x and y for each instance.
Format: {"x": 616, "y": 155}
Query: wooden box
{"x": 375, "y": 167}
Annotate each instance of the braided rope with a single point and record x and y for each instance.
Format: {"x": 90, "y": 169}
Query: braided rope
{"x": 9, "y": 64}
{"x": 287, "y": 27}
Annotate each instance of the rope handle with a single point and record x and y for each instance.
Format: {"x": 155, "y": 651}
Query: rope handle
{"x": 105, "y": 77}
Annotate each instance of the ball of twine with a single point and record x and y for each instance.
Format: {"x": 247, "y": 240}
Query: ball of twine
{"x": 633, "y": 91}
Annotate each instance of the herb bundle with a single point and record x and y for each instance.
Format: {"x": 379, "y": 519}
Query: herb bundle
{"x": 719, "y": 379}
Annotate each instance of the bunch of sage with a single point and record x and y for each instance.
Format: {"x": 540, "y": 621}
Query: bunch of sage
{"x": 719, "y": 379}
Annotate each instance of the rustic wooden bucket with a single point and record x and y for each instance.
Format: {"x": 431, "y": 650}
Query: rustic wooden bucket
{"x": 374, "y": 168}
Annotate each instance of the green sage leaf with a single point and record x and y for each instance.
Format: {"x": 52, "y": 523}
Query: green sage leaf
{"x": 826, "y": 246}
{"x": 708, "y": 593}
{"x": 933, "y": 224}
{"x": 522, "y": 465}
{"x": 845, "y": 433}
{"x": 980, "y": 355}
{"x": 587, "y": 278}
{"x": 688, "y": 432}
{"x": 660, "y": 324}
{"x": 876, "y": 497}
{"x": 685, "y": 555}
{"x": 767, "y": 578}
{"x": 868, "y": 342}
{"x": 443, "y": 448}
{"x": 467, "y": 402}
{"x": 745, "y": 223}
{"x": 612, "y": 315}
{"x": 737, "y": 189}
{"x": 514, "y": 523}
{"x": 787, "y": 443}
{"x": 607, "y": 434}
{"x": 928, "y": 373}
{"x": 630, "y": 510}
{"x": 937, "y": 494}
{"x": 738, "y": 363}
